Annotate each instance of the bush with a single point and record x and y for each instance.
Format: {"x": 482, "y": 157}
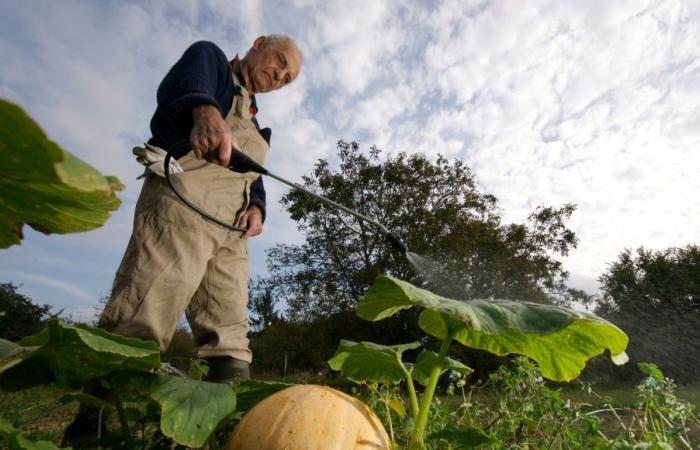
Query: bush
{"x": 19, "y": 316}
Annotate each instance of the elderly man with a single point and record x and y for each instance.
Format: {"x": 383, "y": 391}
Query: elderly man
{"x": 177, "y": 261}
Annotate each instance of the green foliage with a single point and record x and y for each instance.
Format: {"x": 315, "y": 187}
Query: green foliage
{"x": 250, "y": 392}
{"x": 73, "y": 355}
{"x": 462, "y": 439}
{"x": 44, "y": 186}
{"x": 530, "y": 414}
{"x": 561, "y": 340}
{"x": 7, "y": 347}
{"x": 189, "y": 409}
{"x": 665, "y": 417}
{"x": 19, "y": 316}
{"x": 306, "y": 345}
{"x": 15, "y": 440}
{"x": 646, "y": 279}
{"x": 369, "y": 362}
{"x": 420, "y": 371}
{"x": 517, "y": 409}
{"x": 436, "y": 207}
{"x": 185, "y": 410}
{"x": 655, "y": 297}
{"x": 262, "y": 306}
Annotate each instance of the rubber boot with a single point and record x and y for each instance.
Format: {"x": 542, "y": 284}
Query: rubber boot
{"x": 223, "y": 369}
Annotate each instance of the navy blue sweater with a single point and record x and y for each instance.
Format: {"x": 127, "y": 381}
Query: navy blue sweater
{"x": 202, "y": 76}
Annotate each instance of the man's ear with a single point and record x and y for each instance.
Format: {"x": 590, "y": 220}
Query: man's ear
{"x": 259, "y": 42}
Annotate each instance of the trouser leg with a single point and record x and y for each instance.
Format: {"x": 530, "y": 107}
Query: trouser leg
{"x": 161, "y": 269}
{"x": 218, "y": 311}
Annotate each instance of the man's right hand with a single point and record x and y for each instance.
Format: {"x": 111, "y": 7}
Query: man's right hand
{"x": 211, "y": 138}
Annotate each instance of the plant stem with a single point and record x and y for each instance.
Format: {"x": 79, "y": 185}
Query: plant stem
{"x": 418, "y": 435}
{"x": 99, "y": 428}
{"x": 388, "y": 417}
{"x": 411, "y": 391}
{"x": 124, "y": 422}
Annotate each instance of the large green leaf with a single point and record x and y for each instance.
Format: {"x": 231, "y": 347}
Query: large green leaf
{"x": 44, "y": 186}
{"x": 22, "y": 369}
{"x": 191, "y": 409}
{"x": 75, "y": 355}
{"x": 366, "y": 361}
{"x": 426, "y": 361}
{"x": 560, "y": 340}
{"x": 14, "y": 440}
{"x": 7, "y": 347}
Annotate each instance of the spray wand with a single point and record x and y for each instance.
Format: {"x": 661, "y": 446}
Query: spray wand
{"x": 242, "y": 163}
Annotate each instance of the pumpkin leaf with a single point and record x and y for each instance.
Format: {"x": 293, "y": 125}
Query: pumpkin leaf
{"x": 367, "y": 361}
{"x": 14, "y": 440}
{"x": 251, "y": 392}
{"x": 427, "y": 360}
{"x": 7, "y": 347}
{"x": 191, "y": 409}
{"x": 559, "y": 339}
{"x": 651, "y": 370}
{"x": 74, "y": 355}
{"x": 44, "y": 186}
{"x": 22, "y": 370}
{"x": 464, "y": 439}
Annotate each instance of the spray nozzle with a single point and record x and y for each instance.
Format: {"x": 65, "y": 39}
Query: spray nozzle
{"x": 242, "y": 163}
{"x": 396, "y": 242}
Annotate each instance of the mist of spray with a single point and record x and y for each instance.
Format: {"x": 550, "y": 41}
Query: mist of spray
{"x": 665, "y": 335}
{"x": 437, "y": 277}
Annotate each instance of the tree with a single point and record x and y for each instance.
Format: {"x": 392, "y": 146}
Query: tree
{"x": 654, "y": 296}
{"x": 439, "y": 211}
{"x": 19, "y": 316}
{"x": 435, "y": 205}
{"x": 262, "y": 306}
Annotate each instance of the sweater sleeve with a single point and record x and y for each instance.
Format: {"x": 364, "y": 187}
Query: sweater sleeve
{"x": 257, "y": 195}
{"x": 200, "y": 77}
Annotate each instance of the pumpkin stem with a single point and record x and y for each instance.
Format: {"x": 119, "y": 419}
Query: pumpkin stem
{"x": 418, "y": 436}
{"x": 411, "y": 391}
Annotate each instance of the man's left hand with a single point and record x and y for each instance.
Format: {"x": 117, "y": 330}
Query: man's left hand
{"x": 252, "y": 219}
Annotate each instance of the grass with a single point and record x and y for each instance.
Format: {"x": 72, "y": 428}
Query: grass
{"x": 623, "y": 395}
{"x": 38, "y": 412}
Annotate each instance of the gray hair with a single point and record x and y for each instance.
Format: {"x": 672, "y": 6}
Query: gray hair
{"x": 280, "y": 39}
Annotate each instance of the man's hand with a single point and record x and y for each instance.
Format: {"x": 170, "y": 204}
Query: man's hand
{"x": 252, "y": 219}
{"x": 211, "y": 138}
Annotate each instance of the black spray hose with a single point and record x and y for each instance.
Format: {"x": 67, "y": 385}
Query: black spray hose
{"x": 181, "y": 145}
{"x": 242, "y": 163}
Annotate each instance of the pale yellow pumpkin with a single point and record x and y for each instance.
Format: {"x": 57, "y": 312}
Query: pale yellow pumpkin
{"x": 309, "y": 417}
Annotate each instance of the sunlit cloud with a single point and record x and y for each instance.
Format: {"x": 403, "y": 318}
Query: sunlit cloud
{"x": 548, "y": 101}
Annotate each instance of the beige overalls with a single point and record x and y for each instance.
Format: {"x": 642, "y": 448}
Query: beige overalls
{"x": 177, "y": 261}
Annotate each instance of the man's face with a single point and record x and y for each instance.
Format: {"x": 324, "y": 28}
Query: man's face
{"x": 270, "y": 66}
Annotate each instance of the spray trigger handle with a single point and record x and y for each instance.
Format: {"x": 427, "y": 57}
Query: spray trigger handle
{"x": 242, "y": 163}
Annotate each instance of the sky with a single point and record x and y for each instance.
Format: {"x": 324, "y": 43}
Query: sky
{"x": 549, "y": 102}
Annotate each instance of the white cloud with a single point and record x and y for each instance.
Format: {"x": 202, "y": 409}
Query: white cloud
{"x": 548, "y": 101}
{"x": 351, "y": 42}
